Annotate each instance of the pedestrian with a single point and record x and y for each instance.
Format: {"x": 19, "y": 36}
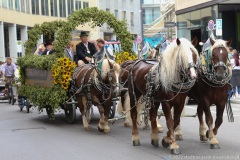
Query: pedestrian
{"x": 230, "y": 54}
{"x": 84, "y": 50}
{"x": 49, "y": 48}
{"x": 69, "y": 52}
{"x": 41, "y": 48}
{"x": 8, "y": 70}
{"x": 235, "y": 80}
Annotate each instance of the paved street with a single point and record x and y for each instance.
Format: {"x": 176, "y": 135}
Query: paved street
{"x": 32, "y": 136}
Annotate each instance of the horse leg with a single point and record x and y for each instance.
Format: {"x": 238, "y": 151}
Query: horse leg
{"x": 82, "y": 103}
{"x": 101, "y": 123}
{"x": 202, "y": 127}
{"x": 219, "y": 118}
{"x": 107, "y": 107}
{"x": 177, "y": 115}
{"x": 153, "y": 115}
{"x": 209, "y": 120}
{"x": 127, "y": 108}
{"x": 169, "y": 140}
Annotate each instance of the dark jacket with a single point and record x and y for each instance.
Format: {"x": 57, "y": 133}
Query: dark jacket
{"x": 50, "y": 52}
{"x": 81, "y": 51}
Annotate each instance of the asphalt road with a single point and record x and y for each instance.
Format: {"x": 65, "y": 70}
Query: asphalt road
{"x": 31, "y": 136}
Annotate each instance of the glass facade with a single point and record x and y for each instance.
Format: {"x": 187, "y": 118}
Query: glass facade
{"x": 62, "y": 8}
{"x": 35, "y": 7}
{"x": 150, "y": 14}
{"x": 54, "y": 8}
{"x": 44, "y": 5}
{"x": 70, "y": 6}
{"x": 195, "y": 23}
{"x": 77, "y": 5}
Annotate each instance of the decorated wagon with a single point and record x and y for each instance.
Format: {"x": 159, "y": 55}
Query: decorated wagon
{"x": 46, "y": 81}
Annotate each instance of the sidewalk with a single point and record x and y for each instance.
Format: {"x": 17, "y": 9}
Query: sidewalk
{"x": 235, "y": 100}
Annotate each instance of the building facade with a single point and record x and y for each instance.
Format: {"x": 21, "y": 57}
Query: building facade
{"x": 18, "y": 16}
{"x": 127, "y": 10}
{"x": 193, "y": 17}
{"x": 155, "y": 31}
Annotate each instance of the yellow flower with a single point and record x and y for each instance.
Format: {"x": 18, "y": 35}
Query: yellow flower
{"x": 55, "y": 81}
{"x": 65, "y": 59}
{"x": 130, "y": 58}
{"x": 119, "y": 61}
{"x": 126, "y": 54}
{"x": 65, "y": 86}
{"x": 118, "y": 56}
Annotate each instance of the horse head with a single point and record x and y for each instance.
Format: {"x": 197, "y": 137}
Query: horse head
{"x": 192, "y": 55}
{"x": 179, "y": 61}
{"x": 113, "y": 71}
{"x": 219, "y": 58}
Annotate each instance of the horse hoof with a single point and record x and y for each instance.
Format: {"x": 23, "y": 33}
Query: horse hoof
{"x": 165, "y": 144}
{"x": 178, "y": 137}
{"x": 100, "y": 129}
{"x": 203, "y": 138}
{"x": 160, "y": 130}
{"x": 214, "y": 146}
{"x": 207, "y": 134}
{"x": 107, "y": 130}
{"x": 155, "y": 143}
{"x": 175, "y": 151}
{"x": 136, "y": 143}
{"x": 86, "y": 128}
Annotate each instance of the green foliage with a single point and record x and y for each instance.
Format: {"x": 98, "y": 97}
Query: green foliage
{"x": 55, "y": 95}
{"x": 42, "y": 96}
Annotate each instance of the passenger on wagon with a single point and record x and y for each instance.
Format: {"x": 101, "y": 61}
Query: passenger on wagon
{"x": 235, "y": 80}
{"x": 84, "y": 50}
{"x": 49, "y": 48}
{"x": 101, "y": 53}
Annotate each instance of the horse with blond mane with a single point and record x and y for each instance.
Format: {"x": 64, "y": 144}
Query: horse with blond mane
{"x": 165, "y": 82}
{"x": 97, "y": 87}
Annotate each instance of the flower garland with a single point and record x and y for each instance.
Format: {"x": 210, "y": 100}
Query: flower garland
{"x": 124, "y": 56}
{"x": 62, "y": 72}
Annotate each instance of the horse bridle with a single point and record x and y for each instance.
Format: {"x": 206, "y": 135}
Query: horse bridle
{"x": 210, "y": 74}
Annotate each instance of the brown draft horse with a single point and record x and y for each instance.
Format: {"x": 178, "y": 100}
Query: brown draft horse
{"x": 177, "y": 60}
{"x": 97, "y": 90}
{"x": 212, "y": 90}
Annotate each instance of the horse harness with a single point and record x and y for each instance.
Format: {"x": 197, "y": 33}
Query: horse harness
{"x": 93, "y": 81}
{"x": 207, "y": 70}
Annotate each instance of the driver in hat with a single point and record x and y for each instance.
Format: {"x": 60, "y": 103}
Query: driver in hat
{"x": 84, "y": 50}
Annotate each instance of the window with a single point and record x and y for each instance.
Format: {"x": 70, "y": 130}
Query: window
{"x": 77, "y": 5}
{"x": 5, "y": 3}
{"x": 85, "y": 5}
{"x": 70, "y": 7}
{"x": 44, "y": 5}
{"x": 132, "y": 19}
{"x": 35, "y": 7}
{"x": 116, "y": 14}
{"x": 107, "y": 10}
{"x": 54, "y": 8}
{"x": 27, "y": 7}
{"x": 62, "y": 8}
{"x": 23, "y": 6}
{"x": 10, "y": 4}
{"x": 124, "y": 15}
{"x": 17, "y": 5}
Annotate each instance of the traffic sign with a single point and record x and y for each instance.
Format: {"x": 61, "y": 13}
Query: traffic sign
{"x": 211, "y": 25}
{"x": 219, "y": 27}
{"x": 139, "y": 39}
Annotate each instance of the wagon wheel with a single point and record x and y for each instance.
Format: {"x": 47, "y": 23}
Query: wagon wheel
{"x": 49, "y": 111}
{"x": 112, "y": 110}
{"x": 70, "y": 111}
{"x": 89, "y": 114}
{"x": 20, "y": 103}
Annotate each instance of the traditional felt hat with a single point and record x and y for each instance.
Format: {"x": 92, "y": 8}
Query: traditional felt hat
{"x": 83, "y": 33}
{"x": 48, "y": 43}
